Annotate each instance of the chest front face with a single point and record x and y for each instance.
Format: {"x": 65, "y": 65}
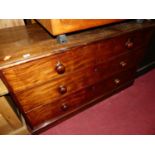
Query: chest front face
{"x": 51, "y": 88}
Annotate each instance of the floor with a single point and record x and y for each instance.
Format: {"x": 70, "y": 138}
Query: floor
{"x": 131, "y": 111}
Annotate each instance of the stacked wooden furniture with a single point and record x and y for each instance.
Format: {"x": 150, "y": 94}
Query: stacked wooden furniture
{"x": 50, "y": 81}
{"x": 5, "y": 23}
{"x": 11, "y": 121}
{"x": 63, "y": 26}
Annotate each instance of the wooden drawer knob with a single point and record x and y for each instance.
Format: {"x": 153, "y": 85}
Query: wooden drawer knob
{"x": 62, "y": 89}
{"x": 123, "y": 63}
{"x": 64, "y": 107}
{"x": 60, "y": 68}
{"x": 129, "y": 44}
{"x": 117, "y": 81}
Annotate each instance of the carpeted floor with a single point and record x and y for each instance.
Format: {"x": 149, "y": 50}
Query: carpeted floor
{"x": 131, "y": 111}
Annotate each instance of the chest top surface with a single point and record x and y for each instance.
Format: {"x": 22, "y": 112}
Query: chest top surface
{"x": 26, "y": 43}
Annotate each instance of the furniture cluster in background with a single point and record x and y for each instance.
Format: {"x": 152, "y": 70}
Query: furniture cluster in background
{"x": 11, "y": 120}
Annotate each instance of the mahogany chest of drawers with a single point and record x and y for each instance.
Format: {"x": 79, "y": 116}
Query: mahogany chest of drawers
{"x": 50, "y": 81}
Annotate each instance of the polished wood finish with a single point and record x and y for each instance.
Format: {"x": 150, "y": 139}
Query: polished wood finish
{"x": 49, "y": 80}
{"x": 56, "y": 110}
{"x": 23, "y": 44}
{"x": 60, "y": 68}
{"x": 48, "y": 68}
{"x": 50, "y": 91}
{"x": 61, "y": 26}
{"x": 148, "y": 61}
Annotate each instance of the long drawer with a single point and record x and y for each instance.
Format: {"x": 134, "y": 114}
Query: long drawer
{"x": 27, "y": 75}
{"x": 69, "y": 84}
{"x": 55, "y": 110}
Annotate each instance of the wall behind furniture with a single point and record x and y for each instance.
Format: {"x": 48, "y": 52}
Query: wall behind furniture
{"x": 4, "y": 23}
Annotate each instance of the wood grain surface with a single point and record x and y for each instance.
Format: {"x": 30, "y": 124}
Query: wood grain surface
{"x": 22, "y": 44}
{"x": 49, "y": 80}
{"x": 44, "y": 69}
{"x": 61, "y": 26}
{"x": 49, "y": 91}
{"x": 55, "y": 110}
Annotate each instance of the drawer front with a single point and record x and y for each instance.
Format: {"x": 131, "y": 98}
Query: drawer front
{"x": 55, "y": 110}
{"x": 56, "y": 89}
{"x": 33, "y": 73}
{"x": 60, "y": 87}
{"x": 27, "y": 75}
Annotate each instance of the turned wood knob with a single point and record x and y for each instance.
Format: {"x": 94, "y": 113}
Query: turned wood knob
{"x": 123, "y": 63}
{"x": 129, "y": 44}
{"x": 64, "y": 107}
{"x": 62, "y": 89}
{"x": 117, "y": 81}
{"x": 60, "y": 68}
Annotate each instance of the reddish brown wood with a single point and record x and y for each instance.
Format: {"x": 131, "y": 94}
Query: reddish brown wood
{"x": 49, "y": 68}
{"x": 33, "y": 40}
{"x": 64, "y": 78}
{"x": 49, "y": 124}
{"x": 54, "y": 110}
{"x": 57, "y": 88}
